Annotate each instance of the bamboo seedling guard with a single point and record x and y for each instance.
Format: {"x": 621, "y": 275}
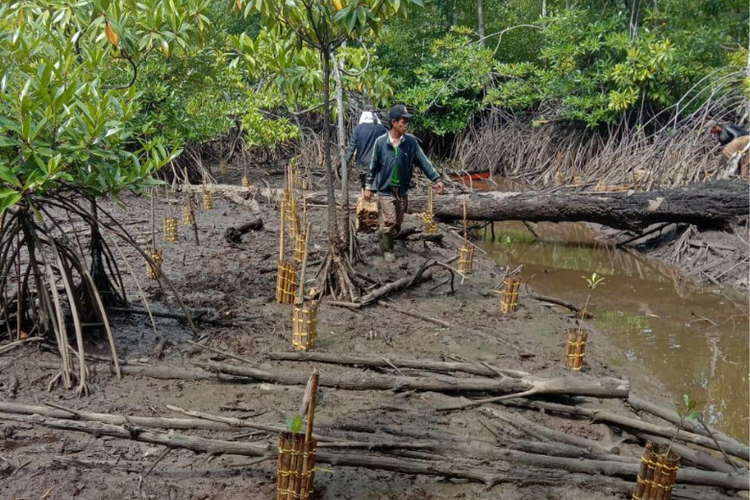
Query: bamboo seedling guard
{"x": 305, "y": 315}
{"x": 466, "y": 257}
{"x": 509, "y": 295}
{"x": 286, "y": 277}
{"x": 575, "y": 348}
{"x": 153, "y": 269}
{"x": 430, "y": 225}
{"x": 296, "y": 466}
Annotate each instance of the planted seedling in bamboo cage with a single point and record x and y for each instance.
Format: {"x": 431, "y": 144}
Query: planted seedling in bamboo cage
{"x": 658, "y": 473}
{"x": 286, "y": 277}
{"x": 305, "y": 314}
{"x": 509, "y": 294}
{"x": 245, "y": 182}
{"x": 208, "y": 200}
{"x": 575, "y": 348}
{"x": 153, "y": 271}
{"x": 223, "y": 167}
{"x": 430, "y": 225}
{"x": 466, "y": 256}
{"x": 188, "y": 215}
{"x": 170, "y": 230}
{"x": 297, "y": 450}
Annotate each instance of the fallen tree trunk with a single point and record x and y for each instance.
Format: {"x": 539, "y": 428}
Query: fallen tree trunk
{"x": 711, "y": 203}
{"x": 525, "y": 385}
{"x": 629, "y": 423}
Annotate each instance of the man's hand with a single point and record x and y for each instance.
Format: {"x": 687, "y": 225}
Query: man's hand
{"x": 440, "y": 187}
{"x": 368, "y": 194}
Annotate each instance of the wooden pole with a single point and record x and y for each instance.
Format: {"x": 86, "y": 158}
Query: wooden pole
{"x": 466, "y": 233}
{"x": 281, "y": 237}
{"x": 311, "y": 407}
{"x": 301, "y": 291}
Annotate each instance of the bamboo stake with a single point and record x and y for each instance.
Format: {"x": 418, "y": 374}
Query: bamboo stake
{"x": 281, "y": 238}
{"x": 301, "y": 291}
{"x": 466, "y": 233}
{"x": 311, "y": 407}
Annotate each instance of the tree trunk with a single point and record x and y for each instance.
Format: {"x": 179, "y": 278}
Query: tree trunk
{"x": 712, "y": 203}
{"x": 333, "y": 232}
{"x": 544, "y": 8}
{"x": 342, "y": 154}
{"x": 480, "y": 22}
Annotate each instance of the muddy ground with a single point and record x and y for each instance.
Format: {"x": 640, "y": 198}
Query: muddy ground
{"x": 239, "y": 281}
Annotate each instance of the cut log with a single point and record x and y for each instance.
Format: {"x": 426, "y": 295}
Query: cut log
{"x": 235, "y": 234}
{"x": 629, "y": 423}
{"x": 528, "y": 385}
{"x": 418, "y": 364}
{"x": 711, "y": 203}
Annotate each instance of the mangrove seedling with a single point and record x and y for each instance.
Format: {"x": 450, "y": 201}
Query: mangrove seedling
{"x": 687, "y": 412}
{"x": 591, "y": 282}
{"x": 295, "y": 424}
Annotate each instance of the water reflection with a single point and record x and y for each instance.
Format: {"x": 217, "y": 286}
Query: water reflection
{"x": 651, "y": 314}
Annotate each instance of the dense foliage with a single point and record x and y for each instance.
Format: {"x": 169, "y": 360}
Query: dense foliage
{"x": 97, "y": 94}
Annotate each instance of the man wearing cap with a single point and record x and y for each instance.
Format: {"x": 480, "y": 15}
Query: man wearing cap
{"x": 363, "y": 138}
{"x": 393, "y": 157}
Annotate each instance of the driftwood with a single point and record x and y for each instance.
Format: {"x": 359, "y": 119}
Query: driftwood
{"x": 525, "y": 385}
{"x": 158, "y": 372}
{"x": 489, "y": 477}
{"x": 417, "y": 315}
{"x": 423, "y": 274}
{"x": 418, "y": 364}
{"x": 671, "y": 416}
{"x": 18, "y": 343}
{"x": 544, "y": 433}
{"x": 559, "y": 302}
{"x": 629, "y": 423}
{"x": 235, "y": 234}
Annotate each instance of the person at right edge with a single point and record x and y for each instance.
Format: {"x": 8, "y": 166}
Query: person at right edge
{"x": 393, "y": 157}
{"x": 735, "y": 140}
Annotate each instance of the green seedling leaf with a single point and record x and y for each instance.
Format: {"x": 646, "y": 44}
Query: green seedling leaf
{"x": 295, "y": 424}
{"x": 686, "y": 398}
{"x": 694, "y": 415}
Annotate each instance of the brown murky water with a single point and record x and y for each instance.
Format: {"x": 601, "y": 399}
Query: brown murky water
{"x": 649, "y": 313}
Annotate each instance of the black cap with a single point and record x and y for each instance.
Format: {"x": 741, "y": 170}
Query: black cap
{"x": 397, "y": 112}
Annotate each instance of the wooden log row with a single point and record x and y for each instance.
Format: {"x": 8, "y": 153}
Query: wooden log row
{"x": 527, "y": 384}
{"x": 489, "y": 477}
{"x": 629, "y": 423}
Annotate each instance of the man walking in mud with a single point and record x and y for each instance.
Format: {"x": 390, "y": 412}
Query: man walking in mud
{"x": 393, "y": 157}
{"x": 363, "y": 138}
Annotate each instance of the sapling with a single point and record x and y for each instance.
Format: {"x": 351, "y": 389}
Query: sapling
{"x": 592, "y": 282}
{"x": 686, "y": 412}
{"x": 295, "y": 424}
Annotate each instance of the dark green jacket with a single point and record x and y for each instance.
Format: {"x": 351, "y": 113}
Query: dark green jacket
{"x": 384, "y": 160}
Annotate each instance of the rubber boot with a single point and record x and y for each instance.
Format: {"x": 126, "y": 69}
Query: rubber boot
{"x": 386, "y": 245}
